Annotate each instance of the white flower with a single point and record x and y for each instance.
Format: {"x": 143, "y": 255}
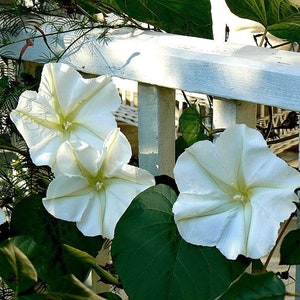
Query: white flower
{"x": 94, "y": 189}
{"x": 66, "y": 107}
{"x": 233, "y": 193}
{"x": 2, "y": 216}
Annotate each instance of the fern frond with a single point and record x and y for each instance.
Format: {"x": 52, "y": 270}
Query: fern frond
{"x": 12, "y": 22}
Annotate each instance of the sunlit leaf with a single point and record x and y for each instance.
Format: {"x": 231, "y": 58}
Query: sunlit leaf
{"x": 289, "y": 249}
{"x": 191, "y": 126}
{"x": 188, "y": 17}
{"x": 288, "y": 28}
{"x": 255, "y": 286}
{"x": 279, "y": 17}
{"x": 16, "y": 269}
{"x": 154, "y": 262}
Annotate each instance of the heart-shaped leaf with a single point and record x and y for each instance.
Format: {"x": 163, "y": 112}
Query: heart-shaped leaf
{"x": 279, "y": 17}
{"x": 154, "y": 262}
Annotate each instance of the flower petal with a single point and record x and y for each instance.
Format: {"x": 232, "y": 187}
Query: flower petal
{"x": 200, "y": 228}
{"x": 135, "y": 175}
{"x": 102, "y": 93}
{"x": 77, "y": 158}
{"x": 268, "y": 169}
{"x": 91, "y": 223}
{"x": 44, "y": 153}
{"x": 117, "y": 153}
{"x": 71, "y": 89}
{"x": 119, "y": 194}
{"x": 107, "y": 206}
{"x": 67, "y": 197}
{"x": 91, "y": 136}
{"x": 277, "y": 203}
{"x": 39, "y": 128}
{"x": 234, "y": 239}
{"x": 229, "y": 197}
{"x": 200, "y": 170}
{"x": 262, "y": 233}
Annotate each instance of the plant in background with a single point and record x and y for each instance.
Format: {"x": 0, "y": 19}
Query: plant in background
{"x": 279, "y": 17}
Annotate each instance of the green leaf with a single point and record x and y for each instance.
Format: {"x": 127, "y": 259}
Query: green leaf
{"x": 289, "y": 249}
{"x": 279, "y": 17}
{"x": 255, "y": 286}
{"x": 72, "y": 254}
{"x": 154, "y": 262}
{"x": 187, "y": 17}
{"x": 49, "y": 235}
{"x": 288, "y": 28}
{"x": 180, "y": 146}
{"x": 110, "y": 296}
{"x": 70, "y": 288}
{"x": 191, "y": 127}
{"x": 257, "y": 266}
{"x": 16, "y": 269}
{"x": 5, "y": 144}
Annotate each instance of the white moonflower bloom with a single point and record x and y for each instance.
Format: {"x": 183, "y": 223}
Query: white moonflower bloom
{"x": 66, "y": 107}
{"x": 233, "y": 193}
{"x": 95, "y": 188}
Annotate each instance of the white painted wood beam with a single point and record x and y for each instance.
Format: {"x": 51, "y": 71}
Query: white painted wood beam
{"x": 229, "y": 71}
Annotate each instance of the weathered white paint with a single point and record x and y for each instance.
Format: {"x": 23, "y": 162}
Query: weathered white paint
{"x": 228, "y": 71}
{"x": 227, "y": 112}
{"x": 156, "y": 129}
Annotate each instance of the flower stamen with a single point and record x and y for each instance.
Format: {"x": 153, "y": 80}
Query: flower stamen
{"x": 240, "y": 197}
{"x": 66, "y": 125}
{"x": 98, "y": 185}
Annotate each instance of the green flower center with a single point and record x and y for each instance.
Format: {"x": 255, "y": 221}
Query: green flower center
{"x": 98, "y": 186}
{"x": 66, "y": 125}
{"x": 241, "y": 197}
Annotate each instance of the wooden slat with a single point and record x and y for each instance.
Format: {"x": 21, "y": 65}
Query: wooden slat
{"x": 229, "y": 71}
{"x": 156, "y": 129}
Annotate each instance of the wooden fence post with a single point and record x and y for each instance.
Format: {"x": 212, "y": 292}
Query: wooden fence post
{"x": 156, "y": 129}
{"x": 227, "y": 112}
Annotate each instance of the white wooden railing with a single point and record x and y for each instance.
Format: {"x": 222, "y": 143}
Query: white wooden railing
{"x": 238, "y": 75}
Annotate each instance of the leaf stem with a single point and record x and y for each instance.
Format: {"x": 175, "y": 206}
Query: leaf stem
{"x": 263, "y": 38}
{"x": 107, "y": 276}
{"x": 278, "y": 240}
